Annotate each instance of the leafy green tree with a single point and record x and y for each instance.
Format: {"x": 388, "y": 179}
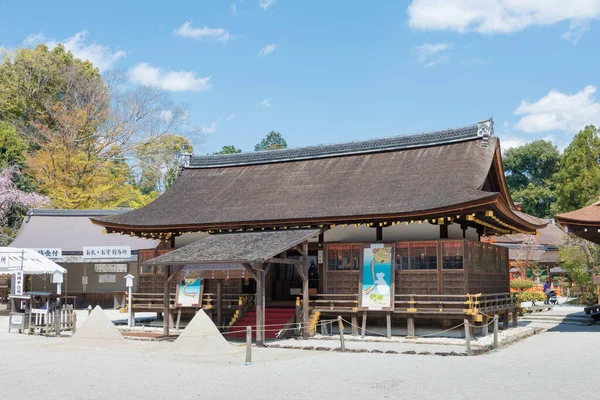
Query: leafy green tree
{"x": 273, "y": 141}
{"x": 228, "y": 150}
{"x": 12, "y": 147}
{"x": 33, "y": 82}
{"x": 578, "y": 179}
{"x": 529, "y": 170}
{"x": 580, "y": 259}
{"x": 159, "y": 162}
{"x": 533, "y": 162}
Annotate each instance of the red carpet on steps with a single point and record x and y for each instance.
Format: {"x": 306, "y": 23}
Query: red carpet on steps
{"x": 275, "y": 319}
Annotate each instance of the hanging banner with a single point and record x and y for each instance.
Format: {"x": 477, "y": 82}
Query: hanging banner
{"x": 377, "y": 275}
{"x": 106, "y": 251}
{"x": 189, "y": 290}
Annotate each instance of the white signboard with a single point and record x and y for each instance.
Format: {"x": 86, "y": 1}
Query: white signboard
{"x": 114, "y": 268}
{"x": 106, "y": 251}
{"x": 16, "y": 319}
{"x": 84, "y": 280}
{"x": 50, "y": 252}
{"x": 320, "y": 257}
{"x": 19, "y": 283}
{"x": 107, "y": 278}
{"x": 4, "y": 260}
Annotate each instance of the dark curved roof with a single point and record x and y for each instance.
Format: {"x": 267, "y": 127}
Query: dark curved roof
{"x": 403, "y": 177}
{"x": 331, "y": 150}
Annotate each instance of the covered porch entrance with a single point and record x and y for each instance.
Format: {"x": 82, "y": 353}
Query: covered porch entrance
{"x": 257, "y": 254}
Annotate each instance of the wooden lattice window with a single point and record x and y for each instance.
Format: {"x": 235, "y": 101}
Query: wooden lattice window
{"x": 343, "y": 257}
{"x": 402, "y": 256}
{"x": 452, "y": 255}
{"x": 423, "y": 255}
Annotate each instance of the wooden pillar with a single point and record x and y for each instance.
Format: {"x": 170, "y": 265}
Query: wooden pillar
{"x": 505, "y": 320}
{"x": 485, "y": 327}
{"x": 305, "y": 298}
{"x": 260, "y": 305}
{"x": 410, "y": 329}
{"x": 463, "y": 227}
{"x": 354, "y": 325}
{"x": 379, "y": 233}
{"x": 166, "y": 302}
{"x": 219, "y": 304}
{"x": 388, "y": 324}
{"x": 363, "y": 328}
{"x": 443, "y": 231}
{"x": 515, "y": 318}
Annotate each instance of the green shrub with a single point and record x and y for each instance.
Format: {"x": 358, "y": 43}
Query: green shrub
{"x": 531, "y": 296}
{"x": 521, "y": 284}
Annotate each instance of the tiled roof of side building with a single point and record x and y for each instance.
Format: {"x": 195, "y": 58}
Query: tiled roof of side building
{"x": 331, "y": 150}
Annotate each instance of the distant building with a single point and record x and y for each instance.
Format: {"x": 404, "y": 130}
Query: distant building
{"x": 96, "y": 263}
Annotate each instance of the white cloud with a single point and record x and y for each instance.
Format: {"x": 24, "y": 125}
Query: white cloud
{"x": 559, "y": 111}
{"x": 511, "y": 141}
{"x": 576, "y": 29}
{"x": 212, "y": 128}
{"x": 431, "y": 54}
{"x": 264, "y": 4}
{"x": 268, "y": 49}
{"x": 166, "y": 115}
{"x": 218, "y": 34}
{"x": 175, "y": 81}
{"x": 266, "y": 103}
{"x": 229, "y": 118}
{"x": 102, "y": 57}
{"x": 499, "y": 16}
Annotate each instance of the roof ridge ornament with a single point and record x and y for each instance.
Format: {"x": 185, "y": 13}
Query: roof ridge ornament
{"x": 184, "y": 162}
{"x": 485, "y": 129}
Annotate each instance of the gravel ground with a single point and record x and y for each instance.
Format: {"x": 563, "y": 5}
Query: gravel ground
{"x": 561, "y": 362}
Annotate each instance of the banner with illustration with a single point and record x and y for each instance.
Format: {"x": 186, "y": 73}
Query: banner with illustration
{"x": 189, "y": 290}
{"x": 377, "y": 275}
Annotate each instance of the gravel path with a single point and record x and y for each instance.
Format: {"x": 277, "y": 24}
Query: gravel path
{"x": 560, "y": 363}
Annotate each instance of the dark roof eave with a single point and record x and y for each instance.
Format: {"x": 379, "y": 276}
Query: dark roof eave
{"x": 462, "y": 207}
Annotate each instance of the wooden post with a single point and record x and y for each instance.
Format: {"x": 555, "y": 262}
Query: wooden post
{"x": 341, "y": 328}
{"x": 248, "y": 345}
{"x": 178, "y": 318}
{"x": 363, "y": 328}
{"x": 505, "y": 320}
{"x": 354, "y": 325}
{"x": 468, "y": 337}
{"x": 166, "y": 301}
{"x": 305, "y": 291}
{"x": 298, "y": 310}
{"x": 260, "y": 306}
{"x": 388, "y": 324}
{"x": 485, "y": 327}
{"x": 495, "y": 331}
{"x": 219, "y": 304}
{"x": 515, "y": 318}
{"x": 410, "y": 330}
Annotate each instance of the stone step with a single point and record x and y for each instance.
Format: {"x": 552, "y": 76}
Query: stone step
{"x": 578, "y": 320}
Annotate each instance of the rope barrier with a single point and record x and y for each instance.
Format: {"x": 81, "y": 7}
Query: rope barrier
{"x": 421, "y": 336}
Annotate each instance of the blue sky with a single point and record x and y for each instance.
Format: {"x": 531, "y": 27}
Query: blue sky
{"x": 331, "y": 71}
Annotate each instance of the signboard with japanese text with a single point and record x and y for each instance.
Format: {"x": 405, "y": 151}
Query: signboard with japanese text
{"x": 113, "y": 268}
{"x": 106, "y": 251}
{"x": 50, "y": 252}
{"x": 4, "y": 260}
{"x": 19, "y": 282}
{"x": 107, "y": 278}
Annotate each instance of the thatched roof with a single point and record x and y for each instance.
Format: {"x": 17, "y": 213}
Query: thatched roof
{"x": 429, "y": 175}
{"x": 247, "y": 247}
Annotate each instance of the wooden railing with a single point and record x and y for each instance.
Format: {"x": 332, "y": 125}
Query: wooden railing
{"x": 422, "y": 303}
{"x": 154, "y": 302}
{"x": 45, "y": 322}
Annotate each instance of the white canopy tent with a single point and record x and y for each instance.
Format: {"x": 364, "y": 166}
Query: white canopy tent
{"x": 13, "y": 259}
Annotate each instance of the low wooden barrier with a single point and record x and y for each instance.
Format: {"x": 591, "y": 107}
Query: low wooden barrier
{"x": 47, "y": 322}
